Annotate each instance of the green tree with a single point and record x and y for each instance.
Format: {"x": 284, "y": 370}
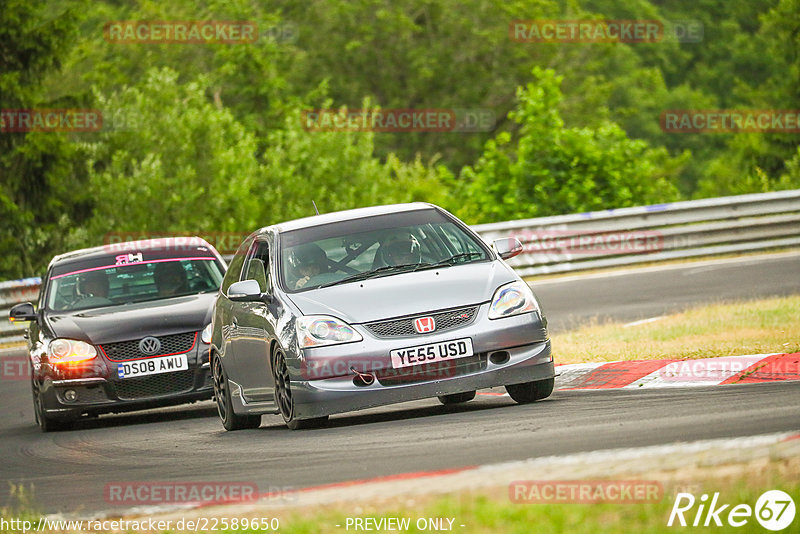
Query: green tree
{"x": 180, "y": 163}
{"x": 759, "y": 162}
{"x": 550, "y": 169}
{"x": 173, "y": 162}
{"x": 338, "y": 170}
{"x": 41, "y": 178}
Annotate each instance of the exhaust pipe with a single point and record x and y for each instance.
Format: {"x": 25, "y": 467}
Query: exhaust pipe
{"x": 362, "y": 379}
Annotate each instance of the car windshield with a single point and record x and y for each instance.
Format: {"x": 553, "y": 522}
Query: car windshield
{"x": 384, "y": 245}
{"x": 100, "y": 287}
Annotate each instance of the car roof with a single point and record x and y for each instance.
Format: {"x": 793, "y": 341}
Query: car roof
{"x": 346, "y": 215}
{"x": 182, "y": 246}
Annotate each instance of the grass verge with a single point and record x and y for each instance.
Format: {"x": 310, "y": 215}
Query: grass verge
{"x": 495, "y": 513}
{"x": 725, "y": 329}
{"x": 491, "y": 510}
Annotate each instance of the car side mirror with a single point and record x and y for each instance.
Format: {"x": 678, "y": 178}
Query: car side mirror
{"x": 508, "y": 247}
{"x": 22, "y": 312}
{"x": 247, "y": 291}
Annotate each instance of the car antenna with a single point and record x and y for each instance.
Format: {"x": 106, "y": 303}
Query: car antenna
{"x": 315, "y": 206}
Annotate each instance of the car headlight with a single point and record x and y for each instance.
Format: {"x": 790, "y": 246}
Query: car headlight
{"x": 205, "y": 335}
{"x": 319, "y": 330}
{"x": 67, "y": 351}
{"x": 513, "y": 299}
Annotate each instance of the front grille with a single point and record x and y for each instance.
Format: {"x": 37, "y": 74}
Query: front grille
{"x": 129, "y": 350}
{"x": 430, "y": 372}
{"x": 445, "y": 320}
{"x": 156, "y": 385}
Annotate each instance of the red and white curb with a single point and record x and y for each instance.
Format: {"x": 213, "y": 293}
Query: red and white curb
{"x": 748, "y": 369}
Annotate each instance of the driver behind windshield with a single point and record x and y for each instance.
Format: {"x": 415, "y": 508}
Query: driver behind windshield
{"x": 170, "y": 279}
{"x": 309, "y": 261}
{"x": 402, "y": 249}
{"x": 91, "y": 289}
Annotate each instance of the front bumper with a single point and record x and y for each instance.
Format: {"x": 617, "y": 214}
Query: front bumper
{"x": 336, "y": 395}
{"x": 108, "y": 394}
{"x": 510, "y": 350}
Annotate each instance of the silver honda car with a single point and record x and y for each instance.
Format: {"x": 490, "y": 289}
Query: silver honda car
{"x": 370, "y": 307}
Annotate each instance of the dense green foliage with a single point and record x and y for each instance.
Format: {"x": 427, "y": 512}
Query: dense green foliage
{"x": 210, "y": 137}
{"x": 554, "y": 169}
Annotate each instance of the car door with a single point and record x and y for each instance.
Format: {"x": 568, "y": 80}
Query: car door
{"x": 224, "y": 312}
{"x": 255, "y": 327}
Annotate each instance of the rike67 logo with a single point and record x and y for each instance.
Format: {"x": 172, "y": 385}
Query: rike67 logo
{"x": 774, "y": 510}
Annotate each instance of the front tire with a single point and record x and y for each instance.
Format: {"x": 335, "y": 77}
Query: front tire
{"x": 531, "y": 391}
{"x": 222, "y": 395}
{"x": 45, "y": 422}
{"x": 283, "y": 395}
{"x": 457, "y": 398}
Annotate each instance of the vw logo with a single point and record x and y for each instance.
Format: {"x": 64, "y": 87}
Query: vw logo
{"x": 149, "y": 345}
{"x": 424, "y": 325}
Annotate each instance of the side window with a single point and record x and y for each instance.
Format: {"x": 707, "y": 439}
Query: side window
{"x": 235, "y": 267}
{"x": 258, "y": 264}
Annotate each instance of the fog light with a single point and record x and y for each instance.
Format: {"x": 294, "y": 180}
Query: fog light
{"x": 499, "y": 357}
{"x": 70, "y": 395}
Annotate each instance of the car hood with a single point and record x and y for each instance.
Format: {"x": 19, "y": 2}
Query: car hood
{"x": 133, "y": 321}
{"x": 407, "y": 293}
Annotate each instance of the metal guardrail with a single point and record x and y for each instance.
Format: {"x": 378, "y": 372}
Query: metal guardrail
{"x": 628, "y": 236}
{"x": 14, "y": 292}
{"x": 611, "y": 238}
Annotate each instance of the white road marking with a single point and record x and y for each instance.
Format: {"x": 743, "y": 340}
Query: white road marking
{"x": 643, "y": 321}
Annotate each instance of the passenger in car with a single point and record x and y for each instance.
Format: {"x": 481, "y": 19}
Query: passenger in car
{"x": 170, "y": 279}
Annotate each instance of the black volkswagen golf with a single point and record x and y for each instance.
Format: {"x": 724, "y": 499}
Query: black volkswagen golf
{"x": 122, "y": 327}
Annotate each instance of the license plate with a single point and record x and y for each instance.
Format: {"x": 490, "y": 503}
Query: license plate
{"x": 153, "y": 366}
{"x": 433, "y": 352}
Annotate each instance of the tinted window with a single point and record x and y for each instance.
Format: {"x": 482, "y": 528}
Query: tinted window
{"x": 257, "y": 267}
{"x": 324, "y": 254}
{"x": 235, "y": 266}
{"x": 131, "y": 283}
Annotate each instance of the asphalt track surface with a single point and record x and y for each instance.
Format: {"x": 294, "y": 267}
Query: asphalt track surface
{"x": 69, "y": 470}
{"x": 651, "y": 292}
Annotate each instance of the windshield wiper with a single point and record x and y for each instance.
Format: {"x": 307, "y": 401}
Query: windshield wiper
{"x": 448, "y": 262}
{"x": 406, "y": 267}
{"x": 374, "y": 273}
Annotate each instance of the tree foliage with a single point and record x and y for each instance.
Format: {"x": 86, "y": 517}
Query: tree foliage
{"x": 41, "y": 176}
{"x": 208, "y": 137}
{"x": 551, "y": 169}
